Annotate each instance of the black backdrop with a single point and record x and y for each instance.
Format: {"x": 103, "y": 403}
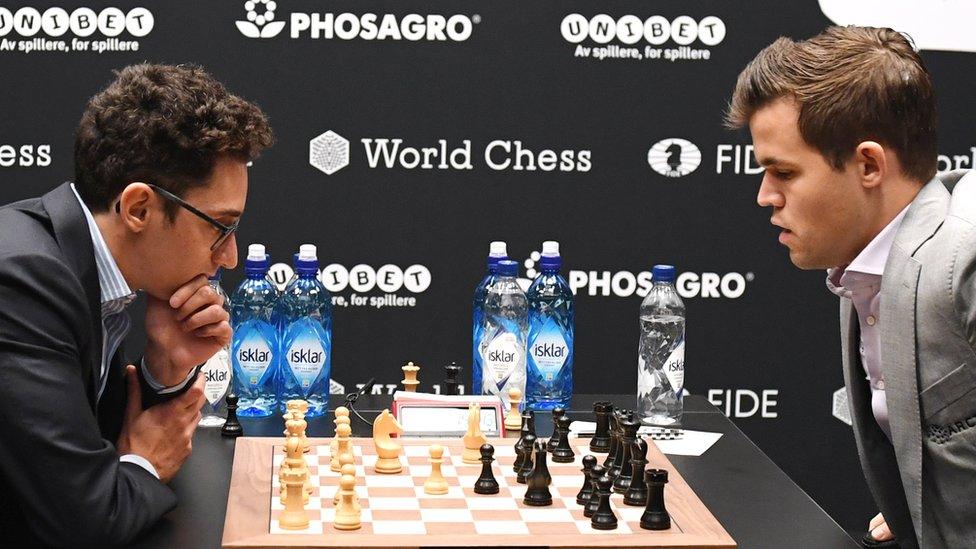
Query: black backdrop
{"x": 762, "y": 336}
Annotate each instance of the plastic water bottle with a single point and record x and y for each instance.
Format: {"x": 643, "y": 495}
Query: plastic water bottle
{"x": 217, "y": 373}
{"x": 254, "y": 351}
{"x": 504, "y": 334}
{"x": 661, "y": 354}
{"x": 306, "y": 340}
{"x": 496, "y": 252}
{"x": 552, "y": 318}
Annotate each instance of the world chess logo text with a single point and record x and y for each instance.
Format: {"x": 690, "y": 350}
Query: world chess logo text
{"x": 632, "y": 38}
{"x": 949, "y": 162}
{"x": 28, "y": 30}
{"x": 364, "y": 285}
{"x": 330, "y": 152}
{"x": 25, "y": 156}
{"x": 674, "y": 157}
{"x": 262, "y": 19}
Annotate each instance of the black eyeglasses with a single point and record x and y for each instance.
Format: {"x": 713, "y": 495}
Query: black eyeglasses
{"x": 225, "y": 230}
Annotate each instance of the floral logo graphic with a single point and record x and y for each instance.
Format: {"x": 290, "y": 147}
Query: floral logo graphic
{"x": 260, "y": 20}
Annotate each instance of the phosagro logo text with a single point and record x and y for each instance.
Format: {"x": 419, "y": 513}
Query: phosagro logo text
{"x": 263, "y": 21}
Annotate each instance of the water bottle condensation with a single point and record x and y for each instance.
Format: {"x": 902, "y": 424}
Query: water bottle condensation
{"x": 497, "y": 251}
{"x": 552, "y": 319}
{"x": 504, "y": 334}
{"x": 254, "y": 348}
{"x": 661, "y": 351}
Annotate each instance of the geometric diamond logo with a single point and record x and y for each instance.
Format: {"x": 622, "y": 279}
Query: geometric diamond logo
{"x": 329, "y": 152}
{"x": 840, "y": 408}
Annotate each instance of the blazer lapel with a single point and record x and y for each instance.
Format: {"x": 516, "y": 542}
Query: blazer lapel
{"x": 72, "y": 234}
{"x": 899, "y": 288}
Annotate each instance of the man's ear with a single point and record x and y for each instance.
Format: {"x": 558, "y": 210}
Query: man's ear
{"x": 871, "y": 164}
{"x": 135, "y": 206}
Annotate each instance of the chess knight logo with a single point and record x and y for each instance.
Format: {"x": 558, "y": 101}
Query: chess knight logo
{"x": 260, "y": 20}
{"x": 674, "y": 157}
{"x": 329, "y": 152}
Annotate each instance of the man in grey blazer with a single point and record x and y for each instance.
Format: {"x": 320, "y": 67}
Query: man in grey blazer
{"x": 844, "y": 124}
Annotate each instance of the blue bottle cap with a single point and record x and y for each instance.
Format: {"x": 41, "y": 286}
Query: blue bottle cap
{"x": 507, "y": 267}
{"x": 663, "y": 273}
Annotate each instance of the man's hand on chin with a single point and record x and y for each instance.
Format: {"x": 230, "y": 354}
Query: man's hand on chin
{"x": 184, "y": 331}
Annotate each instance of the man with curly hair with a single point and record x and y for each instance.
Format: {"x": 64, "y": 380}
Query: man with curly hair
{"x": 87, "y": 441}
{"x": 844, "y": 124}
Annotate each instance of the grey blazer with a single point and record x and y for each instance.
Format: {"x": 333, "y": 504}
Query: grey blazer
{"x": 924, "y": 480}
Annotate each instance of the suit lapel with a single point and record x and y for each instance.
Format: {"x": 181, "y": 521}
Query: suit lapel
{"x": 899, "y": 356}
{"x": 74, "y": 238}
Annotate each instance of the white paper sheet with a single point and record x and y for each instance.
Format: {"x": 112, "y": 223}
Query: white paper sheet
{"x": 687, "y": 443}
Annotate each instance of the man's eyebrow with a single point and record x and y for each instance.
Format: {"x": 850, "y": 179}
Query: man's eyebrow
{"x": 229, "y": 212}
{"x": 770, "y": 160}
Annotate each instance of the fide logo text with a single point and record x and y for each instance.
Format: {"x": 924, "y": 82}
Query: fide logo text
{"x": 631, "y": 38}
{"x": 25, "y": 156}
{"x": 745, "y": 403}
{"x": 28, "y": 30}
{"x": 262, "y": 19}
{"x": 329, "y": 152}
{"x": 674, "y": 157}
{"x": 387, "y": 286}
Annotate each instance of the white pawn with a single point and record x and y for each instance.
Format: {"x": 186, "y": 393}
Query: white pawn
{"x": 348, "y": 514}
{"x": 346, "y": 463}
{"x": 341, "y": 416}
{"x": 436, "y": 485}
{"x": 344, "y": 447}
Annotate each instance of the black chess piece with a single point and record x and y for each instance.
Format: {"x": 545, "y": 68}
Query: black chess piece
{"x": 526, "y": 467}
{"x": 553, "y": 440}
{"x": 232, "y": 427}
{"x": 595, "y": 473}
{"x": 622, "y": 479}
{"x": 539, "y": 479}
{"x": 613, "y": 417}
{"x": 563, "y": 452}
{"x": 520, "y": 442}
{"x": 486, "y": 483}
{"x": 618, "y": 457}
{"x": 452, "y": 378}
{"x": 603, "y": 518}
{"x": 583, "y": 496}
{"x": 529, "y": 417}
{"x": 600, "y": 443}
{"x": 637, "y": 491}
{"x": 655, "y": 515}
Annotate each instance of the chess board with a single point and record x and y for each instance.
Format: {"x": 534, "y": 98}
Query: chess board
{"x": 397, "y": 513}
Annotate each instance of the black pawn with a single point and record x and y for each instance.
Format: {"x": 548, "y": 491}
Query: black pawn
{"x": 563, "y": 452}
{"x": 637, "y": 491}
{"x": 655, "y": 515}
{"x": 556, "y": 414}
{"x": 486, "y": 483}
{"x": 232, "y": 427}
{"x": 539, "y": 479}
{"x": 584, "y": 494}
{"x": 614, "y": 417}
{"x": 600, "y": 443}
{"x": 521, "y": 442}
{"x": 529, "y": 418}
{"x": 595, "y": 473}
{"x": 526, "y": 467}
{"x": 452, "y": 378}
{"x": 604, "y": 518}
{"x": 622, "y": 479}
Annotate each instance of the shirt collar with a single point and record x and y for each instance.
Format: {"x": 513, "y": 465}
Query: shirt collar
{"x": 871, "y": 260}
{"x": 116, "y": 293}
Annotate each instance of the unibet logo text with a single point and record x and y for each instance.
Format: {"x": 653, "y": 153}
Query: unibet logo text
{"x": 82, "y": 22}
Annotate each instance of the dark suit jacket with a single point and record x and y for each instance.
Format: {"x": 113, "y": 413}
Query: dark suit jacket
{"x": 61, "y": 482}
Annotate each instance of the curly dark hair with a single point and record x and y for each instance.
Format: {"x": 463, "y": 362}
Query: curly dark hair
{"x": 165, "y": 125}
